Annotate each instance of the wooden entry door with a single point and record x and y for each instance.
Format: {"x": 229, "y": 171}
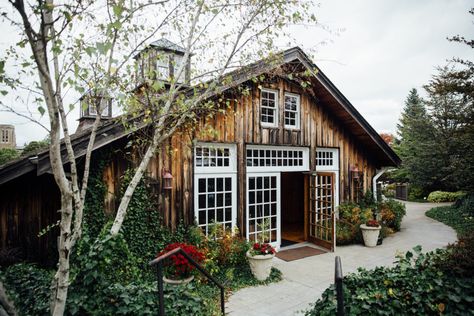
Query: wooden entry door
{"x": 321, "y": 224}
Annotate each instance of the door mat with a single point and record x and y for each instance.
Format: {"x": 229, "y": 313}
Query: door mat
{"x": 299, "y": 253}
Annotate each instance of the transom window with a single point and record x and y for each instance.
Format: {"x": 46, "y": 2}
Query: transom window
{"x": 269, "y": 108}
{"x": 327, "y": 159}
{"x": 217, "y": 157}
{"x": 292, "y": 110}
{"x": 215, "y": 185}
{"x": 277, "y": 158}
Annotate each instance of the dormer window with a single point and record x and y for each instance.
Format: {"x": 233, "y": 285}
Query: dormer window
{"x": 269, "y": 108}
{"x": 292, "y": 111}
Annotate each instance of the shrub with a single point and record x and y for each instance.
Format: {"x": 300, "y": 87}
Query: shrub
{"x": 29, "y": 288}
{"x": 442, "y": 196}
{"x": 346, "y": 233}
{"x": 392, "y": 213}
{"x": 460, "y": 218}
{"x": 415, "y": 193}
{"x": 415, "y": 286}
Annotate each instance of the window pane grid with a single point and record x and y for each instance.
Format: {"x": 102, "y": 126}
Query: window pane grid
{"x": 268, "y": 107}
{"x": 292, "y": 105}
{"x": 274, "y": 158}
{"x": 326, "y": 158}
{"x": 211, "y": 156}
{"x": 214, "y": 202}
{"x": 262, "y": 206}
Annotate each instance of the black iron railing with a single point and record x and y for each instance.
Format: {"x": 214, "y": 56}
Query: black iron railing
{"x": 339, "y": 292}
{"x": 159, "y": 272}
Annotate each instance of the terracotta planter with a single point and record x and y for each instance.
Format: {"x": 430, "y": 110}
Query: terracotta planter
{"x": 261, "y": 265}
{"x": 370, "y": 235}
{"x": 178, "y": 282}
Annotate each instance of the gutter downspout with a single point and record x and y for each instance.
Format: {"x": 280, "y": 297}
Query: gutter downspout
{"x": 374, "y": 180}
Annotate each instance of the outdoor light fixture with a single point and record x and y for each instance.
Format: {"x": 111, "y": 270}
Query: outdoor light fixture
{"x": 167, "y": 180}
{"x": 355, "y": 173}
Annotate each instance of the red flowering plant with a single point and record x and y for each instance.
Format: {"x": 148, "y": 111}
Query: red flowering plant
{"x": 372, "y": 223}
{"x": 262, "y": 249}
{"x": 178, "y": 267}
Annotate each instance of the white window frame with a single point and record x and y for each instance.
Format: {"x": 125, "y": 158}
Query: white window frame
{"x": 206, "y": 172}
{"x": 271, "y": 166}
{"x": 275, "y": 109}
{"x": 276, "y": 243}
{"x": 297, "y": 112}
{"x": 216, "y": 169}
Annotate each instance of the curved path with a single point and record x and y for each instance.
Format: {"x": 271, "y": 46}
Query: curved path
{"x": 304, "y": 280}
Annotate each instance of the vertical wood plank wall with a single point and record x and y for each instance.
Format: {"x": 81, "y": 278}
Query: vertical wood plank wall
{"x": 241, "y": 125}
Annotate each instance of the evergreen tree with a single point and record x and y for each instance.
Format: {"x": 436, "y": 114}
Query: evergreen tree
{"x": 451, "y": 112}
{"x": 415, "y": 133}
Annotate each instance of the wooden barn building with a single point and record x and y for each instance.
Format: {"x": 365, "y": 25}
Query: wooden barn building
{"x": 281, "y": 154}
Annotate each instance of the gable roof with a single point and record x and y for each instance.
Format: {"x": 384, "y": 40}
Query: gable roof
{"x": 324, "y": 89}
{"x": 165, "y": 44}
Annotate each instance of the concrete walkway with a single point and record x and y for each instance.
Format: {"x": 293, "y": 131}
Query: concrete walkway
{"x": 305, "y": 280}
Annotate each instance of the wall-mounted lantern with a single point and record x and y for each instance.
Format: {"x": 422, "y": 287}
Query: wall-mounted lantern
{"x": 167, "y": 180}
{"x": 355, "y": 173}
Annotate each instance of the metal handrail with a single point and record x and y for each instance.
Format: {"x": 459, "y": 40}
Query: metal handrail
{"x": 338, "y": 277}
{"x": 159, "y": 262}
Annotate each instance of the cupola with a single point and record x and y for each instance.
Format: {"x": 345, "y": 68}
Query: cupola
{"x": 162, "y": 60}
{"x": 90, "y": 106}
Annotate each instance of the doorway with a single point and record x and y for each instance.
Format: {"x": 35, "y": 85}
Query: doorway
{"x": 292, "y": 208}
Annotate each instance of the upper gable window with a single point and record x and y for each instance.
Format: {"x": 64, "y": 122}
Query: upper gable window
{"x": 292, "y": 110}
{"x": 269, "y": 108}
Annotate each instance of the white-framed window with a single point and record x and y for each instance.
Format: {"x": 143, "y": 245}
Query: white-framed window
{"x": 215, "y": 185}
{"x": 5, "y": 136}
{"x": 327, "y": 159}
{"x": 292, "y": 110}
{"x": 163, "y": 67}
{"x": 263, "y": 207}
{"x": 214, "y": 158}
{"x": 269, "y": 108}
{"x": 277, "y": 158}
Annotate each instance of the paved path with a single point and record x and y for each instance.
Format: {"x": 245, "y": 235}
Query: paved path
{"x": 304, "y": 280}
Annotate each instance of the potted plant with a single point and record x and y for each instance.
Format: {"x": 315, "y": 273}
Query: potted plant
{"x": 261, "y": 255}
{"x": 370, "y": 232}
{"x": 178, "y": 269}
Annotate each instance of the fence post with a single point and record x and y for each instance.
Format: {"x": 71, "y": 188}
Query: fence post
{"x": 161, "y": 298}
{"x": 339, "y": 291}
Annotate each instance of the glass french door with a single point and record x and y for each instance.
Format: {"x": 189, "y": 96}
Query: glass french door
{"x": 263, "y": 207}
{"x": 321, "y": 212}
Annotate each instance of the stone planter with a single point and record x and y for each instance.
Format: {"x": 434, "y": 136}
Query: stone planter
{"x": 178, "y": 282}
{"x": 370, "y": 235}
{"x": 261, "y": 265}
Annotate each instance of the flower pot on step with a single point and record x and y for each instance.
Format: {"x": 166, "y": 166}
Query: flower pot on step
{"x": 261, "y": 265}
{"x": 370, "y": 234}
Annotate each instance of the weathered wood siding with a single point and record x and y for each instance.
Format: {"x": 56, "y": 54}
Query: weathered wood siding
{"x": 240, "y": 124}
{"x": 28, "y": 205}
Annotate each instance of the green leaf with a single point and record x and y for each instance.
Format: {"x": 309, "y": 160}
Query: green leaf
{"x": 41, "y": 110}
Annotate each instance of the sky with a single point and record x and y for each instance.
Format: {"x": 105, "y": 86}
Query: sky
{"x": 374, "y": 53}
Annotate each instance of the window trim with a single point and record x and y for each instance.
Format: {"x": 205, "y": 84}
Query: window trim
{"x": 298, "y": 111}
{"x": 275, "y": 168}
{"x": 335, "y": 157}
{"x": 5, "y": 136}
{"x": 276, "y": 109}
{"x": 231, "y": 168}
